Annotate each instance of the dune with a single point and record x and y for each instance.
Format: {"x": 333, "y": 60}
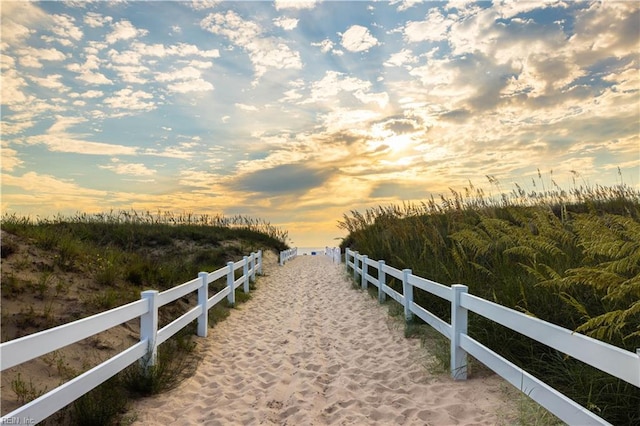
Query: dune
{"x": 308, "y": 349}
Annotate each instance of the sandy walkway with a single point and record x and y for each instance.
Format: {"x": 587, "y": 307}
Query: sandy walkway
{"x": 308, "y": 349}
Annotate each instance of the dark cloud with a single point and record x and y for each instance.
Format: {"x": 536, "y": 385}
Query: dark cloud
{"x": 402, "y": 126}
{"x": 490, "y": 78}
{"x": 286, "y": 178}
{"x": 337, "y": 138}
{"x": 457, "y": 115}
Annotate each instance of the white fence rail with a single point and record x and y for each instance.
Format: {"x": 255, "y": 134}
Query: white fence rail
{"x": 26, "y": 348}
{"x": 334, "y": 254}
{"x": 617, "y": 362}
{"x": 287, "y": 255}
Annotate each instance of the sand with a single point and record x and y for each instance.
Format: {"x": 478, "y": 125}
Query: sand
{"x": 308, "y": 349}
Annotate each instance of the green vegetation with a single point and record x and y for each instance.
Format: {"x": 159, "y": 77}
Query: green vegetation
{"x": 126, "y": 251}
{"x": 118, "y": 255}
{"x": 569, "y": 258}
{"x": 176, "y": 361}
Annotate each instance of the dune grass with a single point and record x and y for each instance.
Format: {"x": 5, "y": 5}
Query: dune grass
{"x": 124, "y": 253}
{"x": 569, "y": 258}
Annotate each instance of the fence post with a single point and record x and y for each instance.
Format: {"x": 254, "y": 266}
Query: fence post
{"x": 260, "y": 262}
{"x": 281, "y": 258}
{"x": 231, "y": 298}
{"x": 346, "y": 259}
{"x": 365, "y": 268}
{"x": 407, "y": 291}
{"x": 458, "y": 327}
{"x": 245, "y": 273}
{"x": 638, "y": 353}
{"x": 203, "y": 295}
{"x": 355, "y": 266}
{"x": 382, "y": 279}
{"x": 252, "y": 260}
{"x": 149, "y": 327}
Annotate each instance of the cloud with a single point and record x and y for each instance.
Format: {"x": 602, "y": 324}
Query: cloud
{"x": 434, "y": 28}
{"x": 51, "y": 82}
{"x": 335, "y": 85}
{"x": 20, "y": 20}
{"x": 31, "y": 57}
{"x": 232, "y": 26}
{"x": 53, "y": 191}
{"x": 185, "y": 80}
{"x": 94, "y": 78}
{"x": 130, "y": 101}
{"x": 203, "y": 65}
{"x": 204, "y": 4}
{"x": 358, "y": 39}
{"x": 197, "y": 85}
{"x": 65, "y": 27}
{"x": 187, "y": 73}
{"x": 382, "y": 99}
{"x": 87, "y": 71}
{"x": 124, "y": 30}
{"x": 96, "y": 20}
{"x": 287, "y": 24}
{"x": 341, "y": 119}
{"x": 406, "y": 4}
{"x": 89, "y": 94}
{"x": 12, "y": 86}
{"x": 184, "y": 151}
{"x": 128, "y": 57}
{"x": 398, "y": 59}
{"x": 57, "y": 138}
{"x": 179, "y": 49}
{"x": 603, "y": 30}
{"x": 264, "y": 52}
{"x": 325, "y": 45}
{"x": 131, "y": 73}
{"x": 398, "y": 191}
{"x": 283, "y": 179}
{"x": 16, "y": 125}
{"x": 132, "y": 169}
{"x": 245, "y": 107}
{"x": 10, "y": 159}
{"x": 63, "y": 142}
{"x": 297, "y": 4}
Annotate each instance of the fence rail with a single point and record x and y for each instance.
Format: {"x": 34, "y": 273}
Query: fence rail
{"x": 334, "y": 254}
{"x": 615, "y": 361}
{"x": 287, "y": 255}
{"x": 26, "y": 348}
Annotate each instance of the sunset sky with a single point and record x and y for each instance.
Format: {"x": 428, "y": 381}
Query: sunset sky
{"x": 298, "y": 112}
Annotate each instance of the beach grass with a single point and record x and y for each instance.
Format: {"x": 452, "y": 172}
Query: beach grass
{"x": 121, "y": 254}
{"x": 571, "y": 258}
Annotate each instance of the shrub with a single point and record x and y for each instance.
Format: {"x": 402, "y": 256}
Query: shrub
{"x": 176, "y": 361}
{"x": 573, "y": 262}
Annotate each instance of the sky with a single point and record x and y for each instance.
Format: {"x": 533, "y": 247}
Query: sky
{"x": 299, "y": 112}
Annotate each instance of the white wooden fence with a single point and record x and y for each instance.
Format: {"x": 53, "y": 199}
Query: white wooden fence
{"x": 334, "y": 254}
{"x": 615, "y": 361}
{"x": 287, "y": 255}
{"x": 26, "y": 348}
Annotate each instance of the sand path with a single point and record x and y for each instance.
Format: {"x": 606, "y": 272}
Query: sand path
{"x": 308, "y": 349}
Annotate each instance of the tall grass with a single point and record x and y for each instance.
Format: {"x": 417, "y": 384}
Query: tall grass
{"x": 125, "y": 249}
{"x": 571, "y": 258}
{"x": 130, "y": 224}
{"x": 123, "y": 253}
